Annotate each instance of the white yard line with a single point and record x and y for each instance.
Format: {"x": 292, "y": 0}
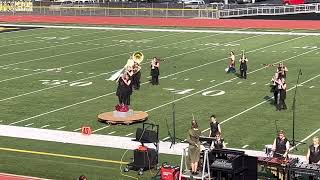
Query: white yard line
{"x": 108, "y": 94}
{"x": 311, "y": 87}
{"x": 169, "y": 30}
{"x": 64, "y": 44}
{"x": 112, "y": 132}
{"x": 245, "y": 146}
{"x": 306, "y": 138}
{"x": 77, "y": 129}
{"x": 44, "y": 126}
{"x": 129, "y": 134}
{"x": 100, "y": 129}
{"x": 61, "y": 127}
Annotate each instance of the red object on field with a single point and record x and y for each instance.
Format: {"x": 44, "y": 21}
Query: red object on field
{"x": 169, "y": 173}
{"x": 122, "y": 108}
{"x": 86, "y": 130}
{"x": 143, "y": 148}
{"x": 291, "y": 2}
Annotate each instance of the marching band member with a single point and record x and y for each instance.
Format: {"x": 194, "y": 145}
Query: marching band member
{"x": 136, "y": 76}
{"x": 232, "y": 64}
{"x": 155, "y": 64}
{"x": 274, "y": 87}
{"x": 194, "y": 146}
{"x": 313, "y": 155}
{"x": 282, "y": 70}
{"x": 214, "y": 126}
{"x": 280, "y": 146}
{"x": 218, "y": 143}
{"x": 124, "y": 89}
{"x": 243, "y": 67}
{"x": 282, "y": 87}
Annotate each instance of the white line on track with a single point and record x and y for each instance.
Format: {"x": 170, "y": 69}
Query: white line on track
{"x": 306, "y": 138}
{"x": 112, "y": 132}
{"x": 77, "y": 129}
{"x": 61, "y": 127}
{"x": 100, "y": 129}
{"x": 129, "y": 134}
{"x": 108, "y": 94}
{"x": 27, "y": 125}
{"x": 170, "y": 30}
{"x": 44, "y": 126}
{"x": 245, "y": 146}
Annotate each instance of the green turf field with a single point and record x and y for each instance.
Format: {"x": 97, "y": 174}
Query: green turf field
{"x": 34, "y": 93}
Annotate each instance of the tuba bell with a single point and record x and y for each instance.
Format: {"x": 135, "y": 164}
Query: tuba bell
{"x": 137, "y": 57}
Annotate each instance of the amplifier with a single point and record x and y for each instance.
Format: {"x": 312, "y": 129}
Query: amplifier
{"x": 145, "y": 159}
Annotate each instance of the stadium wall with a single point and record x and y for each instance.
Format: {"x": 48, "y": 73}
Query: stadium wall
{"x": 168, "y": 22}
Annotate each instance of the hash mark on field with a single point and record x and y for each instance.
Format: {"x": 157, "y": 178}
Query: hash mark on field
{"x": 273, "y": 51}
{"x": 100, "y": 129}
{"x": 317, "y": 52}
{"x": 112, "y": 132}
{"x": 199, "y": 79}
{"x": 129, "y": 134}
{"x": 212, "y": 80}
{"x": 61, "y": 127}
{"x": 174, "y": 78}
{"x": 311, "y": 87}
{"x": 69, "y": 72}
{"x": 239, "y": 82}
{"x": 166, "y": 138}
{"x": 267, "y": 84}
{"x": 91, "y": 73}
{"x": 77, "y": 129}
{"x": 186, "y": 79}
{"x": 263, "y": 51}
{"x": 27, "y": 125}
{"x": 79, "y": 72}
{"x": 253, "y": 83}
{"x": 1, "y": 121}
{"x": 44, "y": 126}
{"x": 245, "y": 146}
{"x": 26, "y": 69}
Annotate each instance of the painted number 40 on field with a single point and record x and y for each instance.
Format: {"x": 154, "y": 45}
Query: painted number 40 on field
{"x": 205, "y": 93}
{"x": 60, "y": 82}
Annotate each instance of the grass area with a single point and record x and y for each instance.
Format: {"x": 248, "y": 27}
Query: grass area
{"x": 33, "y": 95}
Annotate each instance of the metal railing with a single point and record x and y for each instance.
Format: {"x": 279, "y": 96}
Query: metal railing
{"x": 269, "y": 10}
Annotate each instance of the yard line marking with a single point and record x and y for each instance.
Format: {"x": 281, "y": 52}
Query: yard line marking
{"x": 100, "y": 129}
{"x": 129, "y": 134}
{"x": 306, "y": 138}
{"x": 77, "y": 129}
{"x": 186, "y": 79}
{"x": 64, "y": 44}
{"x": 61, "y": 127}
{"x": 79, "y": 72}
{"x": 169, "y": 30}
{"x": 236, "y": 115}
{"x": 199, "y": 79}
{"x": 44, "y": 126}
{"x": 245, "y": 146}
{"x": 166, "y": 138}
{"x": 27, "y": 125}
{"x": 112, "y": 132}
{"x": 108, "y": 94}
{"x": 173, "y": 78}
{"x": 212, "y": 80}
{"x": 253, "y": 83}
{"x": 311, "y": 87}
{"x": 239, "y": 82}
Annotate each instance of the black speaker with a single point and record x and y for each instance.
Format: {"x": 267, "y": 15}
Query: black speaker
{"x": 145, "y": 159}
{"x": 146, "y": 136}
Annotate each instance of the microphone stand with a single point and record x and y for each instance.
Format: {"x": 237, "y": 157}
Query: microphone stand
{"x": 173, "y": 137}
{"x": 294, "y": 142}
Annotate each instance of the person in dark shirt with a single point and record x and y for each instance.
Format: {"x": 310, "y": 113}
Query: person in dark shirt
{"x": 243, "y": 67}
{"x": 280, "y": 146}
{"x": 155, "y": 64}
{"x": 313, "y": 155}
{"x": 218, "y": 143}
{"x": 214, "y": 126}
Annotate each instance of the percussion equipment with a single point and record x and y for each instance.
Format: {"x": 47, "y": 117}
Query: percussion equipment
{"x": 303, "y": 169}
{"x": 276, "y": 162}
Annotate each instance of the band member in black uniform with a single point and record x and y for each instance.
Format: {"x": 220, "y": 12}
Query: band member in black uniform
{"x": 214, "y": 126}
{"x": 124, "y": 89}
{"x": 282, "y": 87}
{"x": 136, "y": 76}
{"x": 155, "y": 64}
{"x": 218, "y": 143}
{"x": 280, "y": 146}
{"x": 313, "y": 155}
{"x": 243, "y": 67}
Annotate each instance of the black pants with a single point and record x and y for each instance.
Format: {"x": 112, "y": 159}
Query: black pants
{"x": 155, "y": 80}
{"x": 136, "y": 80}
{"x": 275, "y": 94}
{"x": 243, "y": 73}
{"x": 124, "y": 99}
{"x": 282, "y": 103}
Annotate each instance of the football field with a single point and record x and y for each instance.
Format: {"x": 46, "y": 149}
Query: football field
{"x": 55, "y": 78}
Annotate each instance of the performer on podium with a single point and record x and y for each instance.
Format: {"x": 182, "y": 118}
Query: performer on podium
{"x": 194, "y": 146}
{"x": 124, "y": 89}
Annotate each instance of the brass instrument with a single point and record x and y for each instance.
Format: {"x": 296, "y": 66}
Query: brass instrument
{"x": 136, "y": 57}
